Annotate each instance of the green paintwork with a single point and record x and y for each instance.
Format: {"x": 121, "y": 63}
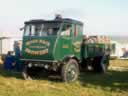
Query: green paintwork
{"x": 65, "y": 47}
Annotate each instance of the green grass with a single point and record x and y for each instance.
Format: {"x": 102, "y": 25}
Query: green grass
{"x": 112, "y": 83}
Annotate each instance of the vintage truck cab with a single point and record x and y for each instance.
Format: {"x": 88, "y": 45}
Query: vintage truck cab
{"x": 55, "y": 45}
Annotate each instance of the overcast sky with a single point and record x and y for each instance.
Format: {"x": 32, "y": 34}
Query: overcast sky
{"x": 107, "y": 17}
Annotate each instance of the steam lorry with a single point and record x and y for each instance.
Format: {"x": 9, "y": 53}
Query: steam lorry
{"x": 59, "y": 45}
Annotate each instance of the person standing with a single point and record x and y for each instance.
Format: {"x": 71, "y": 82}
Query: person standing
{"x": 9, "y": 61}
{"x": 17, "y": 56}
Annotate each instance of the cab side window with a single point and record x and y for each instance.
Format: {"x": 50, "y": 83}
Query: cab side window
{"x": 66, "y": 30}
{"x": 77, "y": 30}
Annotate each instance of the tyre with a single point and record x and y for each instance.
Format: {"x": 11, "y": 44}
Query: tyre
{"x": 25, "y": 73}
{"x": 104, "y": 64}
{"x": 70, "y": 71}
{"x": 100, "y": 64}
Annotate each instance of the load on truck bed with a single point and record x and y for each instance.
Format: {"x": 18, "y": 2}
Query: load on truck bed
{"x": 58, "y": 46}
{"x": 95, "y": 46}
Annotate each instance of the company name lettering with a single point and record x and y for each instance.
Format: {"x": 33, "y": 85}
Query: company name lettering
{"x": 41, "y": 52}
{"x": 44, "y": 44}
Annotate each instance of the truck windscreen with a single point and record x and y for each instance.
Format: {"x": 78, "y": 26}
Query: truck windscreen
{"x": 45, "y": 29}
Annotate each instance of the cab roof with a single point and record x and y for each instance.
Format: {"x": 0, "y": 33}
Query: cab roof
{"x": 64, "y": 20}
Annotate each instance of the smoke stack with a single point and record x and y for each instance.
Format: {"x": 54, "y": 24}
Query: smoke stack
{"x": 58, "y": 16}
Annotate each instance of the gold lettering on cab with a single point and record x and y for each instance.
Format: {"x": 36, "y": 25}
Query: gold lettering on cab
{"x": 77, "y": 46}
{"x": 37, "y": 41}
{"x": 65, "y": 46}
{"x": 34, "y": 47}
{"x": 41, "y": 52}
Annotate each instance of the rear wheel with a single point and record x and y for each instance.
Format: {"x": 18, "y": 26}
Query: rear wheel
{"x": 104, "y": 64}
{"x": 70, "y": 70}
{"x": 100, "y": 64}
{"x": 30, "y": 72}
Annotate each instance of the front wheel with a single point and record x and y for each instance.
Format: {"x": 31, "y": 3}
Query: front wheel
{"x": 70, "y": 71}
{"x": 25, "y": 73}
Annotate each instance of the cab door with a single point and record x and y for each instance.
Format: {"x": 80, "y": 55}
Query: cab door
{"x": 65, "y": 40}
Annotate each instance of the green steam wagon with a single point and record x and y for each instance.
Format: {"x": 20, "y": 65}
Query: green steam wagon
{"x": 59, "y": 46}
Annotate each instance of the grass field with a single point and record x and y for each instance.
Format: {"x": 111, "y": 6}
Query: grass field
{"x": 112, "y": 83}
